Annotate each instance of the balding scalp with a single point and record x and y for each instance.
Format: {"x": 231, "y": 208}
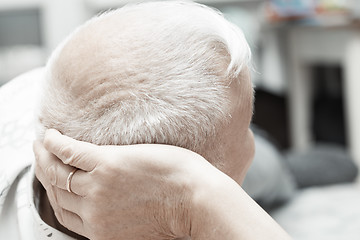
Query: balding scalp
{"x": 147, "y": 73}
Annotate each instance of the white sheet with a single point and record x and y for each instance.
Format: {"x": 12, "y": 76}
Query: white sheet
{"x": 322, "y": 213}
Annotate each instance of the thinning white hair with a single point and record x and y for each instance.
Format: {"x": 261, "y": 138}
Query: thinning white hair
{"x": 156, "y": 72}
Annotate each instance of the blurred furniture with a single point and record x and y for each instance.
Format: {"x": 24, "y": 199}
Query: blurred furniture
{"x": 325, "y": 44}
{"x": 56, "y": 19}
{"x": 270, "y": 110}
{"x": 30, "y": 30}
{"x": 60, "y": 17}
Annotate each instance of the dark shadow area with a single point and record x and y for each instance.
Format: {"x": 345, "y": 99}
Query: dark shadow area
{"x": 328, "y": 123}
{"x": 270, "y": 114}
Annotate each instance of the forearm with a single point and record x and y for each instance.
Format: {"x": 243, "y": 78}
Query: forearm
{"x": 222, "y": 210}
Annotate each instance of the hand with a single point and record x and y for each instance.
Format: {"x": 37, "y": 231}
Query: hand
{"x": 133, "y": 192}
{"x": 146, "y": 191}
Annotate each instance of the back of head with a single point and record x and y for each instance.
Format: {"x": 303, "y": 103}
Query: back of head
{"x": 147, "y": 73}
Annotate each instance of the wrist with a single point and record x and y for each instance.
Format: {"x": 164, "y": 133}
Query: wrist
{"x": 220, "y": 209}
{"x": 212, "y": 198}
{"x": 181, "y": 182}
{"x": 194, "y": 171}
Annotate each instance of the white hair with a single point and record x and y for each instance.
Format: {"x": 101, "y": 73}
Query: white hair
{"x": 155, "y": 72}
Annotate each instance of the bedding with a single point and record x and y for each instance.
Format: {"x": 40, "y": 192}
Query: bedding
{"x": 312, "y": 195}
{"x": 17, "y": 118}
{"x": 322, "y": 213}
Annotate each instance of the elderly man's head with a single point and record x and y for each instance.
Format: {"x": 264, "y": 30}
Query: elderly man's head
{"x": 165, "y": 72}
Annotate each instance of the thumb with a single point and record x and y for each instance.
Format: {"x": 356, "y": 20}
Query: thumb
{"x": 70, "y": 151}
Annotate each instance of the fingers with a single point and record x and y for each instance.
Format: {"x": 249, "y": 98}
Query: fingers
{"x": 65, "y": 200}
{"x": 49, "y": 163}
{"x": 51, "y": 171}
{"x": 66, "y": 206}
{"x": 70, "y": 220}
{"x": 70, "y": 151}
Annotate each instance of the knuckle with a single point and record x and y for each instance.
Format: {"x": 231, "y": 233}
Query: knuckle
{"x": 53, "y": 200}
{"x": 50, "y": 195}
{"x": 59, "y": 214}
{"x": 67, "y": 152}
{"x": 51, "y": 174}
{"x": 96, "y": 193}
{"x": 91, "y": 213}
{"x": 91, "y": 216}
{"x": 55, "y": 196}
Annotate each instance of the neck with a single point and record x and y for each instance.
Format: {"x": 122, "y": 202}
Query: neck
{"x": 47, "y": 213}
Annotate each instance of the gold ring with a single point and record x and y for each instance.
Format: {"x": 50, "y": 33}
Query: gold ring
{"x": 68, "y": 180}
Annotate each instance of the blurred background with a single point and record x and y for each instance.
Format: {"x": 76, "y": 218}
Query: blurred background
{"x": 306, "y": 120}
